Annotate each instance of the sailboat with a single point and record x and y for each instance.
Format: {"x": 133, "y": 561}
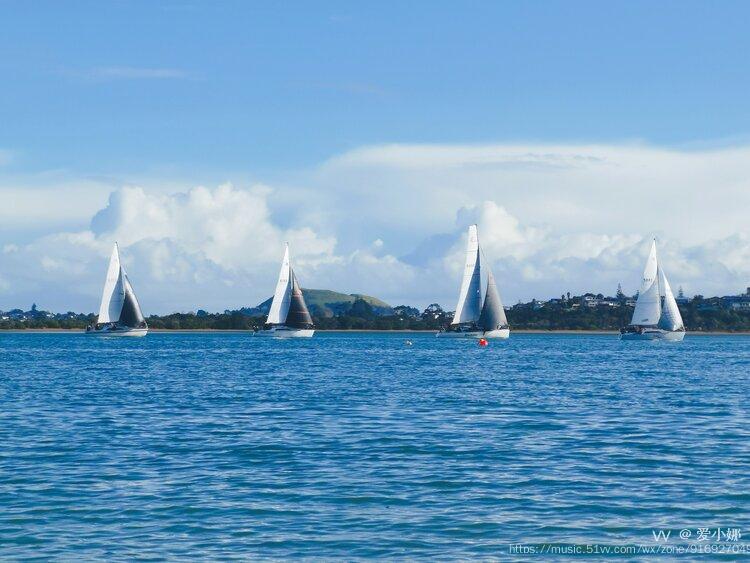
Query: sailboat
{"x": 119, "y": 312}
{"x": 656, "y": 315}
{"x": 476, "y": 317}
{"x": 288, "y": 317}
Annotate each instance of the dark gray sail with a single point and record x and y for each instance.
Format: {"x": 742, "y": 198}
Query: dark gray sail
{"x": 298, "y": 315}
{"x": 131, "y": 314}
{"x": 493, "y": 314}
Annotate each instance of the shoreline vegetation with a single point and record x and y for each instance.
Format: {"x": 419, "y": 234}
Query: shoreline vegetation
{"x": 587, "y": 313}
{"x": 359, "y": 330}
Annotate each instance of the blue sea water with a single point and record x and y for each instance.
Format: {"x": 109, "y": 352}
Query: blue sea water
{"x": 357, "y": 445}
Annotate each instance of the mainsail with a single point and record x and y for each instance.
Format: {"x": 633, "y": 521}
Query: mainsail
{"x": 469, "y": 304}
{"x": 288, "y": 306}
{"x": 648, "y": 306}
{"x": 493, "y": 314}
{"x": 113, "y": 295}
{"x": 282, "y": 295}
{"x": 670, "y": 313}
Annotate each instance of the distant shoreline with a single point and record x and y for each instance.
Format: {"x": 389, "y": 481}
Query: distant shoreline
{"x": 240, "y": 331}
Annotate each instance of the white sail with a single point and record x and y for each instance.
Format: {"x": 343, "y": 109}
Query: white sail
{"x": 670, "y": 313}
{"x": 282, "y": 295}
{"x": 648, "y": 306}
{"x": 469, "y": 304}
{"x": 113, "y": 294}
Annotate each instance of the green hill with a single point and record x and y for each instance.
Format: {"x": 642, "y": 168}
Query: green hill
{"x": 327, "y": 303}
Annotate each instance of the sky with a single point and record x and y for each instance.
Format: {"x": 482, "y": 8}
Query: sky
{"x": 203, "y": 135}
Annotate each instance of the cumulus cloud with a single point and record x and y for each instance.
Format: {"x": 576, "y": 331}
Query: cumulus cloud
{"x": 391, "y": 221}
{"x": 177, "y": 245}
{"x": 230, "y": 227}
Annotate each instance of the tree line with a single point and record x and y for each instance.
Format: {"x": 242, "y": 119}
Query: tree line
{"x": 697, "y": 314}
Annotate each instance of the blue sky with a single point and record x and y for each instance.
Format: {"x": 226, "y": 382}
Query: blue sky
{"x": 370, "y": 133}
{"x": 216, "y": 88}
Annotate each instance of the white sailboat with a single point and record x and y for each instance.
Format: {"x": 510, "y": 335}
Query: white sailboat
{"x": 476, "y": 317}
{"x": 119, "y": 312}
{"x": 288, "y": 317}
{"x": 656, "y": 315}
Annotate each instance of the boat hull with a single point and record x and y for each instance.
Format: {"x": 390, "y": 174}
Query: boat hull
{"x": 654, "y": 334}
{"x": 457, "y": 334}
{"x": 119, "y": 331}
{"x": 501, "y": 333}
{"x": 286, "y": 332}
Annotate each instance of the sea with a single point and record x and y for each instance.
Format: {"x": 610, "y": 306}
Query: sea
{"x": 370, "y": 445}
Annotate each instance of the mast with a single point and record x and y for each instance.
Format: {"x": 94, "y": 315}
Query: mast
{"x": 469, "y": 303}
{"x": 658, "y": 284}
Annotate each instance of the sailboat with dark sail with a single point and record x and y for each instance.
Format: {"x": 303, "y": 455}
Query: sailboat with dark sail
{"x": 475, "y": 316}
{"x": 119, "y": 312}
{"x": 656, "y": 315}
{"x": 288, "y": 317}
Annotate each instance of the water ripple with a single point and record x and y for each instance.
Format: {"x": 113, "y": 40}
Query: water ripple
{"x": 348, "y": 446}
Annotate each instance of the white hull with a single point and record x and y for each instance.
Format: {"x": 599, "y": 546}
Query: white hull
{"x": 501, "y": 333}
{"x": 670, "y": 336}
{"x": 490, "y": 334}
{"x": 456, "y": 334}
{"x": 286, "y": 332}
{"x": 130, "y": 332}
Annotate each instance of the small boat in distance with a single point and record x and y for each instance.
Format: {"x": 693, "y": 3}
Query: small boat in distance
{"x": 475, "y": 317}
{"x": 656, "y": 315}
{"x": 119, "y": 312}
{"x": 288, "y": 317}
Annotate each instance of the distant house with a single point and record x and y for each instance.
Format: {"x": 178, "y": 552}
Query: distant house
{"x": 737, "y": 302}
{"x": 590, "y": 300}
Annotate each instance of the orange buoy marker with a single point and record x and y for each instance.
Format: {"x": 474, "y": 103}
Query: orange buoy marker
{"x": 483, "y": 342}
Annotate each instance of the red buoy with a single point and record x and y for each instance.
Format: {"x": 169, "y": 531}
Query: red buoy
{"x": 483, "y": 342}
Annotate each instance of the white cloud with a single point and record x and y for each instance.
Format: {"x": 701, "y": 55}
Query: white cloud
{"x": 633, "y": 189}
{"x": 228, "y": 226}
{"x": 390, "y": 221}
